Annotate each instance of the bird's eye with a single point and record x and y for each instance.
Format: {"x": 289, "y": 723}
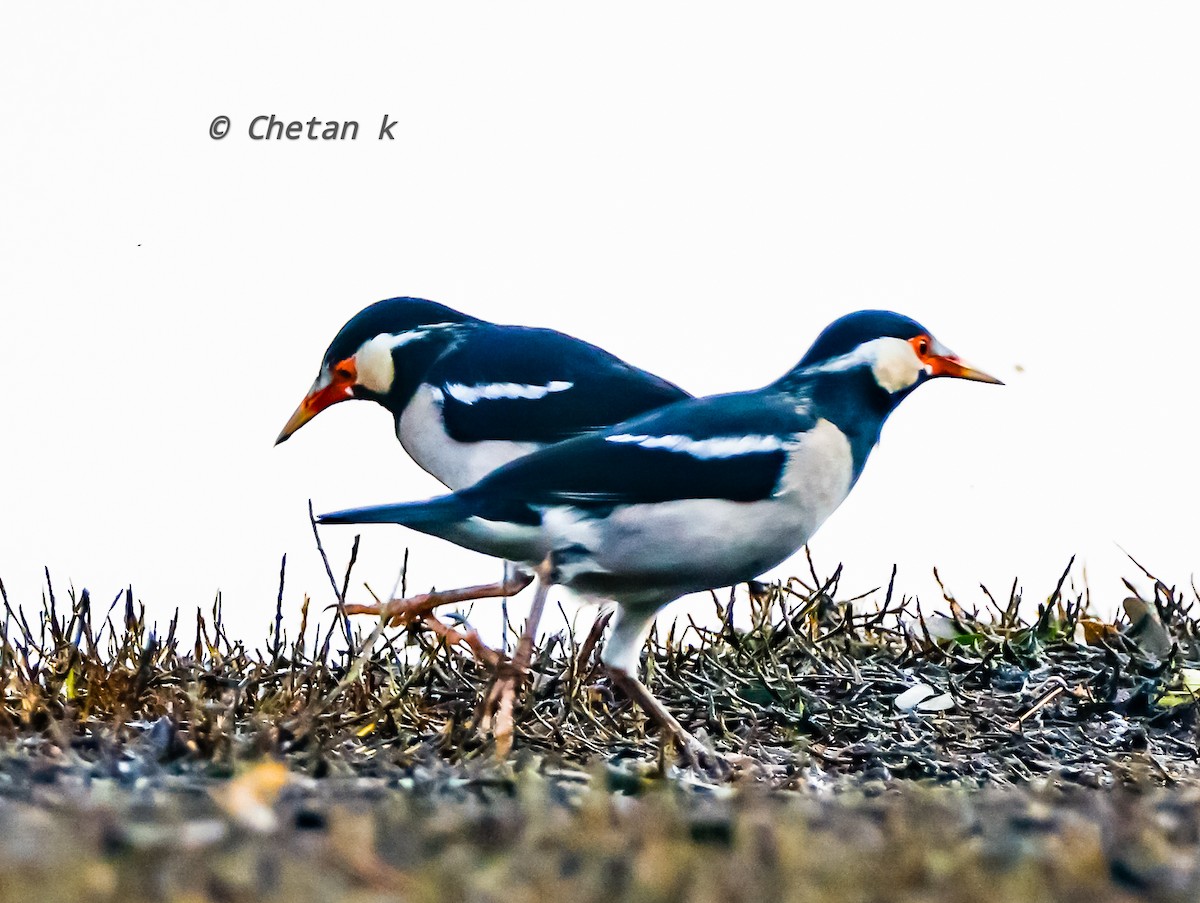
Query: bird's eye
{"x": 345, "y": 372}
{"x": 923, "y": 346}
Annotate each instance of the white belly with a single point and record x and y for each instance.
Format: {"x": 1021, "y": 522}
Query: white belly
{"x": 422, "y": 432}
{"x": 685, "y": 546}
{"x": 662, "y": 550}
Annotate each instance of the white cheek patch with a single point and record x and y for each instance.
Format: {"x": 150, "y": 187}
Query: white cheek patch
{"x": 893, "y": 361}
{"x": 896, "y": 365}
{"x": 373, "y": 361}
{"x": 374, "y": 365}
{"x": 704, "y": 449}
{"x": 488, "y": 391}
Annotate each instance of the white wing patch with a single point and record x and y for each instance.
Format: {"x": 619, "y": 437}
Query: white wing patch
{"x": 487, "y": 391}
{"x": 705, "y": 449}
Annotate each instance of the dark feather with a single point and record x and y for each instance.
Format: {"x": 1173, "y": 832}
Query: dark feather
{"x": 604, "y": 390}
{"x": 593, "y": 472}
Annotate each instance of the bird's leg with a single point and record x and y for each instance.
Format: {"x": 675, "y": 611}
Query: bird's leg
{"x": 694, "y": 752}
{"x": 498, "y": 707}
{"x": 419, "y": 609}
{"x": 399, "y": 612}
{"x": 621, "y": 657}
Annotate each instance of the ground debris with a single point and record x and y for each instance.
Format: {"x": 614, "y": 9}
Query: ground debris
{"x": 894, "y": 752}
{"x": 811, "y": 684}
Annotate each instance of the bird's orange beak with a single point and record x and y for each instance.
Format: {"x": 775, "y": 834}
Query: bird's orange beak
{"x": 941, "y": 361}
{"x": 952, "y": 365}
{"x": 340, "y": 387}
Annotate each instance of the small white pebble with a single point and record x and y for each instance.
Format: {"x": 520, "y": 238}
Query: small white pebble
{"x": 939, "y": 703}
{"x": 912, "y": 696}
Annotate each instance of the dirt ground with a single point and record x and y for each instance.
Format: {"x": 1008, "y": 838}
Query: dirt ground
{"x": 591, "y": 836}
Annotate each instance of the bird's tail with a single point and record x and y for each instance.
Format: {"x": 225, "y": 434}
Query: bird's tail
{"x": 461, "y": 518}
{"x": 427, "y": 516}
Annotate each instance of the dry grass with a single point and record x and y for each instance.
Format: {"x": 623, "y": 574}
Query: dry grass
{"x": 119, "y": 747}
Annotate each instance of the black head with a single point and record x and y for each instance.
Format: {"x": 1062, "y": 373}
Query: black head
{"x": 863, "y": 365}
{"x": 847, "y": 333}
{"x": 896, "y": 351}
{"x": 380, "y": 354}
{"x": 393, "y": 316}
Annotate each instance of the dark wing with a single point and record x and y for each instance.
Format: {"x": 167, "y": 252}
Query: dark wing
{"x": 537, "y": 385}
{"x": 723, "y": 447}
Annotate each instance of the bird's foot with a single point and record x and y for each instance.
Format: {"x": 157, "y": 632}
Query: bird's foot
{"x": 702, "y": 759}
{"x": 405, "y": 611}
{"x": 712, "y": 764}
{"x": 468, "y": 637}
{"x": 409, "y": 609}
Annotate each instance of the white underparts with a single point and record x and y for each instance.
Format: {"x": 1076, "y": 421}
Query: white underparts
{"x": 489, "y": 391}
{"x": 704, "y": 449}
{"x": 645, "y": 554}
{"x": 819, "y": 471}
{"x": 421, "y": 429}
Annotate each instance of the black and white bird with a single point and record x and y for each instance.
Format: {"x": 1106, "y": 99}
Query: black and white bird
{"x": 468, "y": 396}
{"x": 703, "y": 493}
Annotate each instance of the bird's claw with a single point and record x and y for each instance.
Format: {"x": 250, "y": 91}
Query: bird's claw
{"x": 715, "y": 765}
{"x": 397, "y": 612}
{"x": 700, "y": 758}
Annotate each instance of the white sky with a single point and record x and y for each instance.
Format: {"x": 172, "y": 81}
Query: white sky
{"x": 697, "y": 188}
